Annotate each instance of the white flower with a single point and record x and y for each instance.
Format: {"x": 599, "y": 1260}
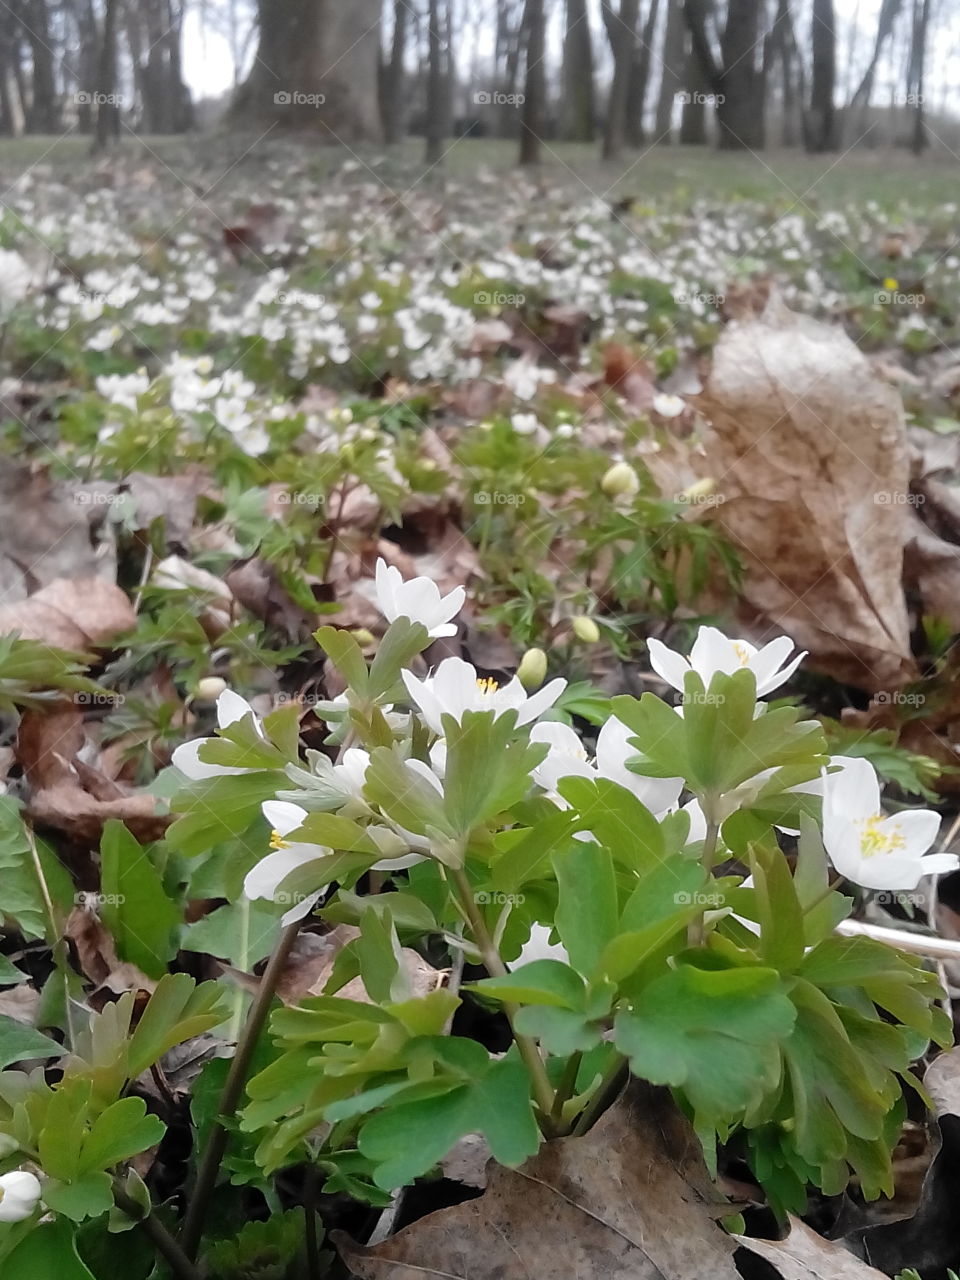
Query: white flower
{"x": 713, "y": 652}
{"x": 230, "y": 708}
{"x": 668, "y": 406}
{"x": 613, "y": 752}
{"x": 419, "y": 600}
{"x": 264, "y": 880}
{"x": 123, "y": 390}
{"x": 870, "y": 848}
{"x": 567, "y": 758}
{"x": 525, "y": 424}
{"x": 19, "y": 1195}
{"x": 455, "y": 688}
{"x": 539, "y": 947}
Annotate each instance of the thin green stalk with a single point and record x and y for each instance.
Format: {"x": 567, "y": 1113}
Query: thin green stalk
{"x": 695, "y": 931}
{"x": 57, "y": 944}
{"x": 181, "y": 1266}
{"x": 565, "y": 1088}
{"x": 542, "y": 1089}
{"x": 610, "y": 1085}
{"x": 233, "y": 1091}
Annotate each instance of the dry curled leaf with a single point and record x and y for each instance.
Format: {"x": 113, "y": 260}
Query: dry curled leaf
{"x": 631, "y": 1200}
{"x": 804, "y": 1255}
{"x": 809, "y": 457}
{"x": 72, "y": 614}
{"x": 70, "y": 794}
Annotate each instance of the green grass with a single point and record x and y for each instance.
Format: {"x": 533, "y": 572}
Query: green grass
{"x": 661, "y": 174}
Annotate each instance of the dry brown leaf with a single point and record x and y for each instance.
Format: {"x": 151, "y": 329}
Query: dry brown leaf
{"x": 631, "y": 1200}
{"x": 258, "y": 588}
{"x": 808, "y": 453}
{"x": 311, "y": 964}
{"x": 69, "y": 794}
{"x": 97, "y": 956}
{"x": 71, "y": 614}
{"x": 804, "y": 1255}
{"x": 47, "y": 533}
{"x": 177, "y": 574}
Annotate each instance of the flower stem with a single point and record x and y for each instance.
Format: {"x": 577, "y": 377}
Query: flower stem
{"x": 695, "y": 930}
{"x": 181, "y": 1266}
{"x": 529, "y": 1052}
{"x": 565, "y": 1088}
{"x": 233, "y": 1091}
{"x": 610, "y": 1085}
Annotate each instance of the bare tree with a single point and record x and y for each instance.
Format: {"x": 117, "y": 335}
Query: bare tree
{"x": 889, "y": 13}
{"x": 622, "y": 32}
{"x": 916, "y": 79}
{"x": 535, "y": 83}
{"x": 43, "y": 115}
{"x": 108, "y": 107}
{"x": 782, "y": 49}
{"x": 820, "y": 126}
{"x": 316, "y": 67}
{"x": 393, "y": 81}
{"x": 672, "y": 77}
{"x": 436, "y": 91}
{"x": 640, "y": 77}
{"x": 737, "y": 82}
{"x": 578, "y": 108}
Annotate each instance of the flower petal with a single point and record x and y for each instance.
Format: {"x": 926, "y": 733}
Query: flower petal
{"x": 667, "y": 663}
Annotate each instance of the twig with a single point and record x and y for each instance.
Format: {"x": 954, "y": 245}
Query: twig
{"x": 233, "y": 1091}
{"x": 918, "y": 944}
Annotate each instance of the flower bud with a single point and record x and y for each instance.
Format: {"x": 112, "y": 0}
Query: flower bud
{"x": 699, "y": 490}
{"x": 20, "y": 1194}
{"x": 363, "y": 637}
{"x": 532, "y": 669}
{"x": 621, "y": 481}
{"x": 586, "y": 629}
{"x": 209, "y": 689}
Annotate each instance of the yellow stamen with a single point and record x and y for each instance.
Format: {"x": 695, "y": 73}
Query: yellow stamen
{"x": 486, "y": 685}
{"x": 277, "y": 841}
{"x": 743, "y": 653}
{"x": 874, "y": 840}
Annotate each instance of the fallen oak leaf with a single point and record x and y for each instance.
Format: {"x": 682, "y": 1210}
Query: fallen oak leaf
{"x": 805, "y": 1255}
{"x": 630, "y": 1200}
{"x": 71, "y": 614}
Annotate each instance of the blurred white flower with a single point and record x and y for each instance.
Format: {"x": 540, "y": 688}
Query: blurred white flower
{"x": 419, "y": 600}
{"x": 264, "y": 880}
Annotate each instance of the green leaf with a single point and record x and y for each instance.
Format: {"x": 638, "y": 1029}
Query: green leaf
{"x": 346, "y": 655}
{"x": 27, "y": 885}
{"x": 49, "y": 1251}
{"x": 87, "y": 1197}
{"x": 544, "y": 982}
{"x": 10, "y": 974}
{"x": 218, "y": 809}
{"x": 780, "y": 913}
{"x": 486, "y": 770}
{"x": 122, "y": 1131}
{"x": 143, "y": 920}
{"x": 714, "y": 1033}
{"x": 407, "y": 1140}
{"x": 588, "y": 912}
{"x": 401, "y": 643}
{"x": 617, "y": 820}
{"x": 177, "y": 1011}
{"x": 381, "y": 962}
{"x": 20, "y": 1043}
{"x": 242, "y": 933}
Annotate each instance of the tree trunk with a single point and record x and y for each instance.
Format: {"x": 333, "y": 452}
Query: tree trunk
{"x": 43, "y": 116}
{"x": 533, "y": 118}
{"x": 108, "y": 109}
{"x": 640, "y": 78}
{"x": 436, "y": 95}
{"x": 820, "y": 129}
{"x": 623, "y": 34}
{"x": 394, "y": 82}
{"x": 671, "y": 81}
{"x": 316, "y": 67}
{"x": 782, "y": 50}
{"x": 693, "y": 119}
{"x": 579, "y": 102}
{"x": 741, "y": 91}
{"x": 889, "y": 13}
{"x": 918, "y": 63}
